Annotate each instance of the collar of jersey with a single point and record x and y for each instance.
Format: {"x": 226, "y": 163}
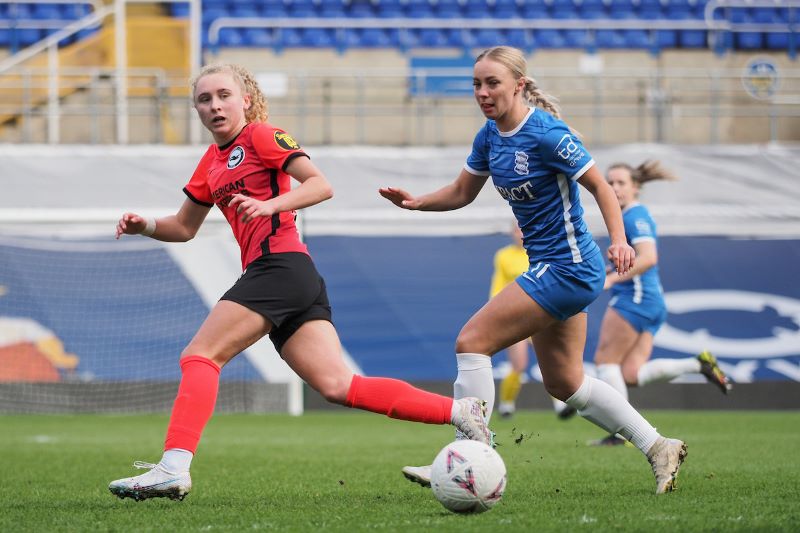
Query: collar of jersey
{"x": 519, "y": 126}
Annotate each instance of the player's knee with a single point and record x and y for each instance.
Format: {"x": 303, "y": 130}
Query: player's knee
{"x": 334, "y": 389}
{"x": 469, "y": 341}
{"x": 630, "y": 373}
{"x": 196, "y": 351}
{"x": 561, "y": 389}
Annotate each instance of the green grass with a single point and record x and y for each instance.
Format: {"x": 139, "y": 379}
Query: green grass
{"x": 339, "y": 471}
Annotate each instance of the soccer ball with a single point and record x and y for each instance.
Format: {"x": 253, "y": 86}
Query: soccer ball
{"x": 468, "y": 477}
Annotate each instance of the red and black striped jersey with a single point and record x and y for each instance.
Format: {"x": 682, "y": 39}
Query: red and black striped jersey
{"x": 253, "y": 164}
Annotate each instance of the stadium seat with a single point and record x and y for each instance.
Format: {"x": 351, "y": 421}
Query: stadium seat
{"x": 257, "y": 37}
{"x": 477, "y": 9}
{"x": 336, "y": 9}
{"x": 302, "y": 8}
{"x": 666, "y": 39}
{"x": 564, "y": 10}
{"x": 592, "y": 9}
{"x": 534, "y": 9}
{"x": 317, "y": 38}
{"x": 461, "y": 38}
{"x": 748, "y": 40}
{"x": 419, "y": 9}
{"x": 359, "y": 9}
{"x": 636, "y": 39}
{"x": 506, "y": 9}
{"x": 520, "y": 39}
{"x": 374, "y": 38}
{"x": 447, "y": 9}
{"x": 243, "y": 10}
{"x": 610, "y": 39}
{"x": 779, "y": 40}
{"x": 179, "y": 10}
{"x": 46, "y": 12}
{"x": 487, "y": 37}
{"x": 692, "y": 39}
{"x": 549, "y": 39}
{"x": 272, "y": 8}
{"x": 390, "y": 9}
{"x": 431, "y": 38}
{"x": 622, "y": 9}
{"x": 231, "y": 37}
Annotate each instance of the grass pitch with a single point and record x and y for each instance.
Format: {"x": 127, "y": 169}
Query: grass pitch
{"x": 340, "y": 471}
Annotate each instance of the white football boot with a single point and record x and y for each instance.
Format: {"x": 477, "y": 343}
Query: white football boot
{"x": 418, "y": 474}
{"x": 470, "y": 423}
{"x": 156, "y": 483}
{"x": 666, "y": 456}
{"x": 470, "y": 420}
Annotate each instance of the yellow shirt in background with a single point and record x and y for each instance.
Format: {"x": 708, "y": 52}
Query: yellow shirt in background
{"x": 509, "y": 262}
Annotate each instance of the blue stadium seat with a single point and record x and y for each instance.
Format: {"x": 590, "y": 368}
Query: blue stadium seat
{"x": 419, "y": 9}
{"x": 666, "y": 39}
{"x": 779, "y": 40}
{"x": 577, "y": 39}
{"x": 488, "y": 37}
{"x": 431, "y": 38}
{"x": 5, "y": 37}
{"x": 506, "y": 9}
{"x": 317, "y": 38}
{"x": 374, "y": 38}
{"x": 272, "y": 8}
{"x": 179, "y": 10}
{"x": 592, "y": 9}
{"x": 692, "y": 39}
{"x": 335, "y": 9}
{"x": 46, "y": 12}
{"x": 749, "y": 40}
{"x": 461, "y": 38}
{"x": 389, "y": 9}
{"x": 230, "y": 37}
{"x": 534, "y": 9}
{"x": 650, "y": 9}
{"x": 288, "y": 38}
{"x": 679, "y": 9}
{"x": 243, "y": 10}
{"x": 361, "y": 9}
{"x": 622, "y": 9}
{"x": 637, "y": 39}
{"x": 610, "y": 39}
{"x": 302, "y": 8}
{"x": 520, "y": 39}
{"x": 564, "y": 10}
{"x": 447, "y": 9}
{"x": 477, "y": 9}
{"x": 549, "y": 39}
{"x": 258, "y": 37}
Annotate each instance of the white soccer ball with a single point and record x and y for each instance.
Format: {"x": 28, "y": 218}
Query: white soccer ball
{"x": 468, "y": 477}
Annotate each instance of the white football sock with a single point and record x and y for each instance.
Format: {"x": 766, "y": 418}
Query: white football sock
{"x": 599, "y": 403}
{"x": 475, "y": 379}
{"x": 176, "y": 460}
{"x": 666, "y": 369}
{"x": 612, "y": 374}
{"x": 558, "y": 405}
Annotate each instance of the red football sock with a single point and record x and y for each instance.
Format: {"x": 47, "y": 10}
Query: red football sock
{"x": 194, "y": 404}
{"x": 398, "y": 399}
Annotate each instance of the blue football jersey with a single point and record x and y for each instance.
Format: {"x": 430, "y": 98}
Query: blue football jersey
{"x": 535, "y": 168}
{"x": 640, "y": 227}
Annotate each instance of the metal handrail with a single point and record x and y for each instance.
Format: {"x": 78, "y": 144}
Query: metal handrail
{"x": 727, "y": 25}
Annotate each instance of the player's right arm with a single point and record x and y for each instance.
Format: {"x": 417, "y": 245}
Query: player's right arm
{"x": 180, "y": 227}
{"x": 453, "y": 196}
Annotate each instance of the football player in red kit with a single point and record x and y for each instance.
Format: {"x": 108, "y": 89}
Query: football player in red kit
{"x": 246, "y": 173}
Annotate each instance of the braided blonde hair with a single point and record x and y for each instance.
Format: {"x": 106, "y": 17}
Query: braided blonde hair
{"x": 514, "y": 60}
{"x": 650, "y": 170}
{"x": 259, "y": 109}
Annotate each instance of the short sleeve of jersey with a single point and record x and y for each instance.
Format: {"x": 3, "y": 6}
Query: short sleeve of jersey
{"x": 197, "y": 189}
{"x": 562, "y": 152}
{"x": 478, "y": 160}
{"x": 275, "y": 147}
{"x": 639, "y": 228}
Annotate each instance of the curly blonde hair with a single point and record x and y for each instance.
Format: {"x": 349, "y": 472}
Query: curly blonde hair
{"x": 259, "y": 109}
{"x": 514, "y": 60}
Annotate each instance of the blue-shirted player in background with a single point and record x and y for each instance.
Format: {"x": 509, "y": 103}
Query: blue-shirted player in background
{"x": 536, "y": 164}
{"x": 637, "y": 310}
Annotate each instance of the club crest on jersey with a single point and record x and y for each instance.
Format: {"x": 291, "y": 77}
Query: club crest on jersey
{"x": 285, "y": 141}
{"x": 236, "y": 157}
{"x": 521, "y": 163}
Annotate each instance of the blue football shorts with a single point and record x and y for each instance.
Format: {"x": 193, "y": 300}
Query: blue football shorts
{"x": 646, "y": 316}
{"x": 565, "y": 289}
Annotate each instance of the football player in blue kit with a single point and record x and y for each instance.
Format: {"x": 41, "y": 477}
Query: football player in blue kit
{"x": 637, "y": 310}
{"x": 536, "y": 164}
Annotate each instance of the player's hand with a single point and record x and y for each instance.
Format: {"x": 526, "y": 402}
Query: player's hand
{"x": 250, "y": 208}
{"x": 399, "y": 197}
{"x": 130, "y": 224}
{"x": 622, "y": 256}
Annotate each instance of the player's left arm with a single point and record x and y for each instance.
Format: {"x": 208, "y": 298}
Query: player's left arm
{"x": 314, "y": 188}
{"x": 619, "y": 252}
